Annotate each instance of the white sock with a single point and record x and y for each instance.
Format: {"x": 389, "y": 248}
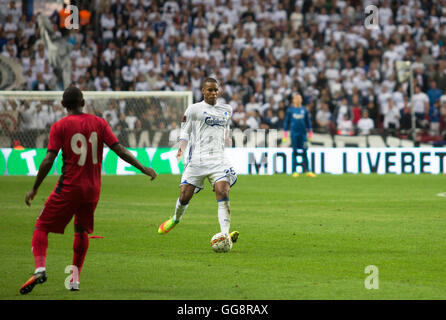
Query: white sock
{"x": 224, "y": 215}
{"x": 40, "y": 269}
{"x": 179, "y": 210}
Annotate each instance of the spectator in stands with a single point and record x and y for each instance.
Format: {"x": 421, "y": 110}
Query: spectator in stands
{"x": 253, "y": 120}
{"x": 141, "y": 83}
{"x": 356, "y": 109}
{"x": 111, "y": 114}
{"x": 253, "y": 106}
{"x": 442, "y": 120}
{"x": 281, "y": 115}
{"x": 239, "y": 117}
{"x": 105, "y": 86}
{"x": 341, "y": 110}
{"x": 48, "y": 76}
{"x": 324, "y": 119}
{"x": 345, "y": 126}
{"x": 131, "y": 120}
{"x": 3, "y": 39}
{"x": 121, "y": 128}
{"x": 10, "y": 27}
{"x": 57, "y": 113}
{"x": 434, "y": 119}
{"x": 383, "y": 101}
{"x": 8, "y": 50}
{"x": 174, "y": 134}
{"x": 433, "y": 94}
{"x": 262, "y": 49}
{"x": 84, "y": 17}
{"x": 398, "y": 97}
{"x": 41, "y": 117}
{"x": 27, "y": 118}
{"x": 116, "y": 80}
{"x": 14, "y": 11}
{"x": 406, "y": 117}
{"x": 39, "y": 84}
{"x": 270, "y": 121}
{"x": 160, "y": 83}
{"x": 420, "y": 105}
{"x": 107, "y": 23}
{"x": 102, "y": 80}
{"x": 365, "y": 124}
{"x": 391, "y": 117}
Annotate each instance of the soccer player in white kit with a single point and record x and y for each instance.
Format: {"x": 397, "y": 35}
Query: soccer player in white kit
{"x": 205, "y": 132}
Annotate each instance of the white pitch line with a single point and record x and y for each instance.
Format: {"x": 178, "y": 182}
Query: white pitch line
{"x": 441, "y": 194}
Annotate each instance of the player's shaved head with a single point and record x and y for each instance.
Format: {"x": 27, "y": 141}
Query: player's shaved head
{"x": 209, "y": 80}
{"x": 72, "y": 98}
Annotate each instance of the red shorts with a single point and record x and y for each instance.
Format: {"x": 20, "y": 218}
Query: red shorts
{"x": 60, "y": 208}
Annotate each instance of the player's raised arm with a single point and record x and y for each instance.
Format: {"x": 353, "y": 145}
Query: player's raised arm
{"x": 128, "y": 157}
{"x": 44, "y": 168}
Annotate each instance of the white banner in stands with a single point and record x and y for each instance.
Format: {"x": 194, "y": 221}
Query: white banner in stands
{"x": 340, "y": 160}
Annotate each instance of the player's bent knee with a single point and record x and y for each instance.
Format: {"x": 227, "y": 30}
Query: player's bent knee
{"x": 183, "y": 201}
{"x": 185, "y": 197}
{"x": 222, "y": 194}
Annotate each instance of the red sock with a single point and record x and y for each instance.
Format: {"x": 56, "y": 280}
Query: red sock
{"x": 80, "y": 247}
{"x": 39, "y": 245}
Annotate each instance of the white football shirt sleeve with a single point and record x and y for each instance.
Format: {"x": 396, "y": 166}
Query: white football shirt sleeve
{"x": 186, "y": 125}
{"x": 228, "y": 135}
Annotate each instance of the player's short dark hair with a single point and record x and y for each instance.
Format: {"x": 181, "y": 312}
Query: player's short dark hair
{"x": 72, "y": 97}
{"x": 209, "y": 79}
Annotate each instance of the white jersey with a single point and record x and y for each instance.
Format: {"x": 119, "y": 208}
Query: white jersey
{"x": 206, "y": 128}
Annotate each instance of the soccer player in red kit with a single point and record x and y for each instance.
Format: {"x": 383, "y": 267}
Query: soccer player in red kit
{"x": 81, "y": 137}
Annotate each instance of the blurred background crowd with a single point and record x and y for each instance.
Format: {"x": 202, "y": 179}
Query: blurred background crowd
{"x": 262, "y": 52}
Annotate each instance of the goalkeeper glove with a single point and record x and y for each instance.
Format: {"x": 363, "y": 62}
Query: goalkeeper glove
{"x": 285, "y": 138}
{"x": 310, "y": 135}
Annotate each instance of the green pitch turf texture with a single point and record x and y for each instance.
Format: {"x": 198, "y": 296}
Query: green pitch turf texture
{"x": 304, "y": 238}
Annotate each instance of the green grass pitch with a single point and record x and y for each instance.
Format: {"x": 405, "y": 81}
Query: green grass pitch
{"x": 300, "y": 238}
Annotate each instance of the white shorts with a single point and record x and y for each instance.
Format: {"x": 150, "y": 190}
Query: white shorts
{"x": 196, "y": 175}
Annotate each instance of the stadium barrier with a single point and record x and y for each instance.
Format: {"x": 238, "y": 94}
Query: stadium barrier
{"x": 163, "y": 138}
{"x": 257, "y": 161}
{"x": 260, "y": 138}
{"x": 27, "y": 161}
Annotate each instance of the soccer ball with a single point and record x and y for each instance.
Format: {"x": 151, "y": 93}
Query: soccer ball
{"x": 221, "y": 242}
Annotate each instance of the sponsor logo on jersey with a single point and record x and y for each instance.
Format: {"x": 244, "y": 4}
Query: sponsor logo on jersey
{"x": 210, "y": 121}
{"x": 298, "y": 115}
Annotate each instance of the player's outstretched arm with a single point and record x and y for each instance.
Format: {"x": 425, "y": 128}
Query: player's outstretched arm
{"x": 128, "y": 157}
{"x": 44, "y": 168}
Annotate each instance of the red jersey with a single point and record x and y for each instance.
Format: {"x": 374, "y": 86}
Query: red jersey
{"x": 81, "y": 138}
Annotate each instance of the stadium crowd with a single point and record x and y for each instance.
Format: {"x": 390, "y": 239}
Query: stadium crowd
{"x": 262, "y": 52}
